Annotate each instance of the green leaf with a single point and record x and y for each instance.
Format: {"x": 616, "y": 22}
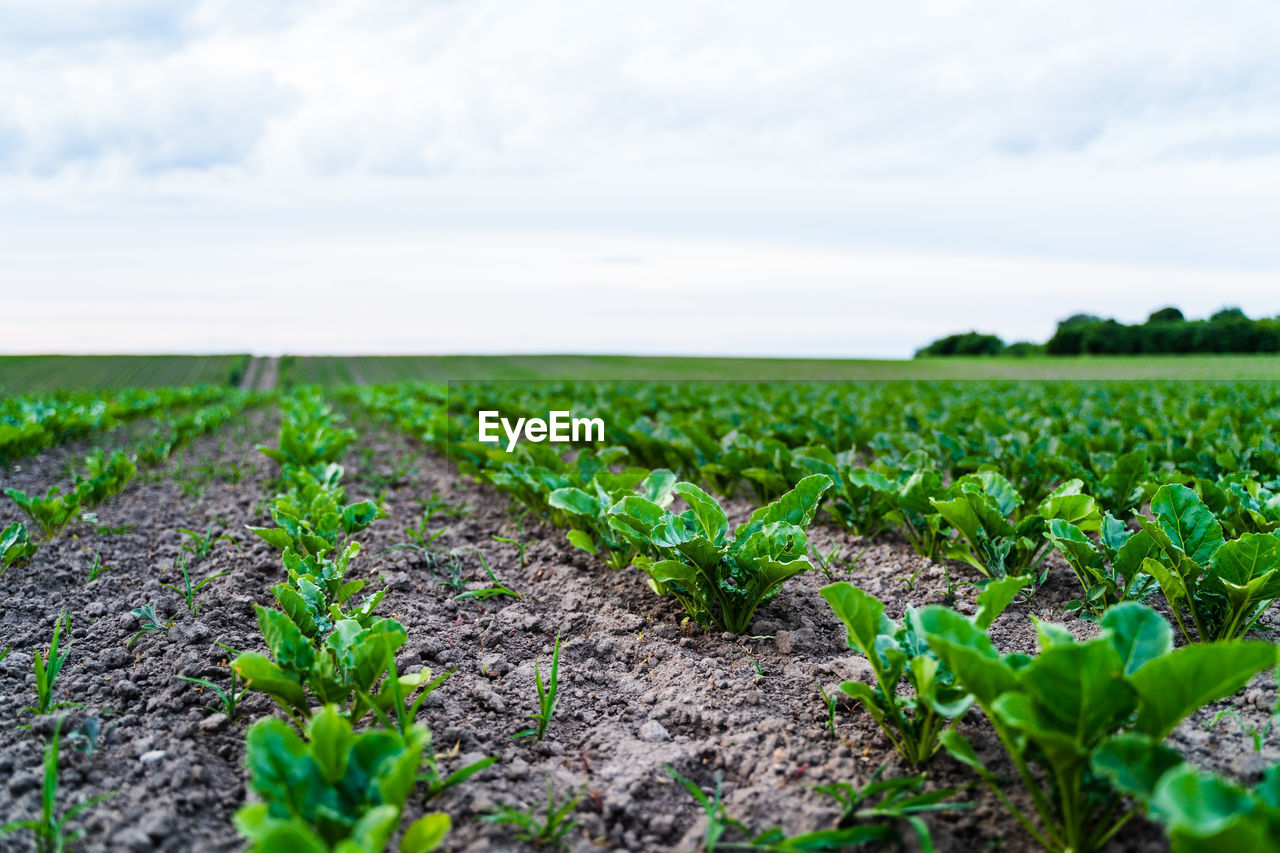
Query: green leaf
{"x": 1134, "y": 763}
{"x": 1174, "y": 685}
{"x": 711, "y": 518}
{"x": 575, "y": 502}
{"x": 968, "y": 651}
{"x": 1139, "y": 633}
{"x": 582, "y": 539}
{"x": 797, "y": 506}
{"x": 996, "y": 596}
{"x": 330, "y": 737}
{"x": 1187, "y": 522}
{"x": 426, "y": 833}
{"x": 861, "y": 613}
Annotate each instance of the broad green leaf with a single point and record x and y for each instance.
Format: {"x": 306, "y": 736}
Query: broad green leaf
{"x": 1241, "y": 560}
{"x": 330, "y": 736}
{"x": 996, "y": 596}
{"x": 1134, "y": 763}
{"x": 862, "y": 614}
{"x": 574, "y": 501}
{"x": 797, "y": 506}
{"x": 426, "y": 833}
{"x": 1174, "y": 685}
{"x": 1139, "y": 634}
{"x": 582, "y": 539}
{"x": 968, "y": 651}
{"x": 710, "y": 516}
{"x": 1187, "y": 522}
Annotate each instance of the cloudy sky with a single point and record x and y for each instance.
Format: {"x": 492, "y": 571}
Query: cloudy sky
{"x": 808, "y": 178}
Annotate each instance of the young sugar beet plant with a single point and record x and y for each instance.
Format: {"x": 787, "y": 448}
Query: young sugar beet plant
{"x": 1053, "y": 712}
{"x": 52, "y": 513}
{"x": 1110, "y": 570}
{"x": 338, "y": 790}
{"x": 983, "y": 509}
{"x": 896, "y": 652}
{"x": 16, "y": 546}
{"x": 1223, "y": 586}
{"x": 588, "y": 512}
{"x": 1202, "y": 812}
{"x": 720, "y": 579}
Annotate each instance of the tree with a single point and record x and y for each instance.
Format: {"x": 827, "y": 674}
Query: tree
{"x": 1166, "y": 315}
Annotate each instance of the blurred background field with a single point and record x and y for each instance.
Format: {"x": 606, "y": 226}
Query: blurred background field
{"x": 41, "y": 373}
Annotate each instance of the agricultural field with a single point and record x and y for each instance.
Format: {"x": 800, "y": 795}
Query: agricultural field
{"x": 324, "y": 607}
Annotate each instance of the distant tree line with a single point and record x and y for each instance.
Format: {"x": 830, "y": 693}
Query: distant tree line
{"x": 1166, "y": 331}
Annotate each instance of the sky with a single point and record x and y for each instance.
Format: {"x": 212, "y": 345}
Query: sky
{"x": 844, "y": 178}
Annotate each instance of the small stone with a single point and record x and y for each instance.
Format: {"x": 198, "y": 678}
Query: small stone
{"x": 214, "y": 723}
{"x": 127, "y": 690}
{"x": 152, "y": 758}
{"x": 653, "y": 732}
{"x": 23, "y": 782}
{"x": 113, "y": 658}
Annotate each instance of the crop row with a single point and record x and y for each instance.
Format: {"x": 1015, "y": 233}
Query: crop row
{"x": 1190, "y": 510}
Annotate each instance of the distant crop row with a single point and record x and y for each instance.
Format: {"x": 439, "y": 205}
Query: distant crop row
{"x": 1172, "y": 489}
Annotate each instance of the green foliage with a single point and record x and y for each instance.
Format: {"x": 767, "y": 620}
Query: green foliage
{"x": 721, "y": 579}
{"x": 338, "y": 790}
{"x": 97, "y": 570}
{"x": 897, "y": 652}
{"x": 496, "y": 588}
{"x": 587, "y": 511}
{"x": 548, "y": 696}
{"x": 48, "y": 666}
{"x": 1224, "y": 586}
{"x": 899, "y": 799}
{"x": 1110, "y": 571}
{"x": 347, "y": 662}
{"x": 16, "y": 546}
{"x": 228, "y": 700}
{"x": 547, "y": 830}
{"x": 310, "y": 515}
{"x": 968, "y": 343}
{"x": 984, "y": 510}
{"x": 52, "y": 512}
{"x": 200, "y": 545}
{"x": 104, "y": 477}
{"x": 1201, "y": 812}
{"x": 51, "y": 828}
{"x": 1052, "y": 712}
{"x": 148, "y": 622}
{"x": 190, "y": 591}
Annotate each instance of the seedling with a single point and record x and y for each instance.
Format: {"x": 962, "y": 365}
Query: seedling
{"x": 200, "y": 545}
{"x": 87, "y": 736}
{"x": 16, "y": 546}
{"x": 148, "y": 622}
{"x": 47, "y": 668}
{"x": 50, "y": 829}
{"x": 718, "y": 819}
{"x": 758, "y": 668}
{"x": 830, "y": 703}
{"x": 546, "y": 831}
{"x": 107, "y": 530}
{"x": 825, "y": 564}
{"x": 97, "y": 570}
{"x": 189, "y": 591}
{"x": 1258, "y": 736}
{"x": 228, "y": 700}
{"x": 52, "y": 513}
{"x": 899, "y": 799}
{"x": 548, "y": 695}
{"x": 496, "y": 589}
{"x": 456, "y": 579}
{"x": 521, "y": 544}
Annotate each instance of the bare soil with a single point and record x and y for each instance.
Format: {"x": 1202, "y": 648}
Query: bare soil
{"x": 640, "y": 689}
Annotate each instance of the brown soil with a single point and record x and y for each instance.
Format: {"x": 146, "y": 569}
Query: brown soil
{"x": 639, "y": 688}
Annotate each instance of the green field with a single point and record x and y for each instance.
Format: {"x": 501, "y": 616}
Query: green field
{"x": 372, "y": 370}
{"x": 33, "y": 373}
{"x": 21, "y": 374}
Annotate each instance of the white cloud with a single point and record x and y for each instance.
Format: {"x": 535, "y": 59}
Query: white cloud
{"x": 1100, "y": 156}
